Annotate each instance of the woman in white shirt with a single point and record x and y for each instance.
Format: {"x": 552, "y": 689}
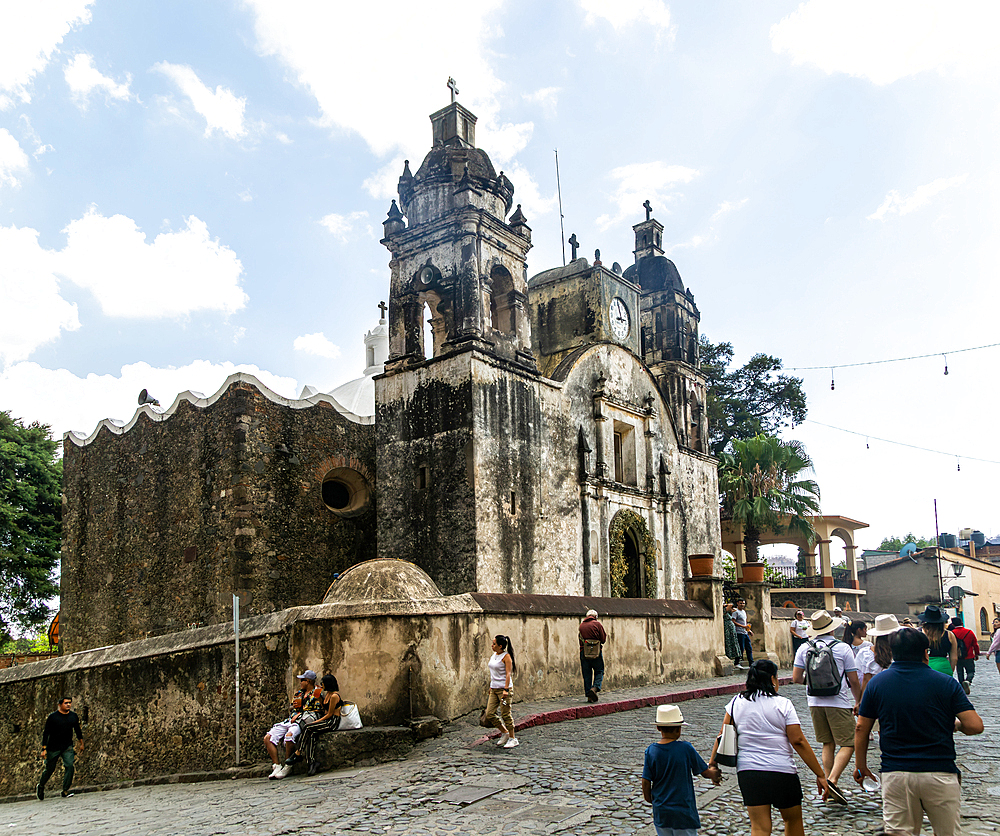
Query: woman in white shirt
{"x": 856, "y": 636}
{"x": 873, "y": 659}
{"x": 798, "y": 628}
{"x": 501, "y": 668}
{"x": 767, "y": 730}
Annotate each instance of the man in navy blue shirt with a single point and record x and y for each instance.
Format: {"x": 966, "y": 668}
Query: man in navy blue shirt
{"x": 918, "y": 710}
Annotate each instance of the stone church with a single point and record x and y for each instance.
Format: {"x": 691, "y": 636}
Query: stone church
{"x": 509, "y": 435}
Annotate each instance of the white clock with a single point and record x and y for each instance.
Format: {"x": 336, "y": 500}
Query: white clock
{"x": 619, "y": 318}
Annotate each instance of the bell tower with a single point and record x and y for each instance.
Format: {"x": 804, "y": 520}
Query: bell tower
{"x": 457, "y": 446}
{"x": 670, "y": 320}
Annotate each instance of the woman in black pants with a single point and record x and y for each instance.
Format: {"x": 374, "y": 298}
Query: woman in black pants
{"x": 330, "y": 721}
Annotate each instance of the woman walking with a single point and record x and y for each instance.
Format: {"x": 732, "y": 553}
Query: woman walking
{"x": 768, "y": 730}
{"x": 856, "y": 636}
{"x": 501, "y": 668}
{"x": 798, "y": 628}
{"x": 873, "y": 659}
{"x": 944, "y": 645}
{"x": 994, "y": 643}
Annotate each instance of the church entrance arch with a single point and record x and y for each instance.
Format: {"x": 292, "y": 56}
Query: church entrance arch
{"x": 633, "y": 557}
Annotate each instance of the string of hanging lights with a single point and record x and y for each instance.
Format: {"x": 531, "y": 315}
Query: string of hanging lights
{"x": 868, "y": 438}
{"x": 943, "y": 354}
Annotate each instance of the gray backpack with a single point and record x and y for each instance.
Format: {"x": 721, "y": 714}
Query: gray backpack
{"x": 823, "y": 677}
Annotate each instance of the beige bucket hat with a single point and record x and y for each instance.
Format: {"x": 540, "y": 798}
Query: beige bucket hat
{"x": 884, "y": 625}
{"x": 669, "y": 715}
{"x": 821, "y": 624}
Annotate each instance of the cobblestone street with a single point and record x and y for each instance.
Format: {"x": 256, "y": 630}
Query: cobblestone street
{"x": 579, "y": 777}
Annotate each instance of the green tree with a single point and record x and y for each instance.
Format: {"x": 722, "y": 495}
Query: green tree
{"x": 894, "y": 544}
{"x": 760, "y": 483}
{"x": 30, "y": 524}
{"x": 750, "y": 400}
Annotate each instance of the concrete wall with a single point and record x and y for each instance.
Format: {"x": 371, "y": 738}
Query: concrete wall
{"x": 166, "y": 705}
{"x": 162, "y": 523}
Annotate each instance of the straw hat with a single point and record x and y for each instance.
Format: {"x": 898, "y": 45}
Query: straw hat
{"x": 820, "y": 623}
{"x": 884, "y": 625}
{"x": 669, "y": 715}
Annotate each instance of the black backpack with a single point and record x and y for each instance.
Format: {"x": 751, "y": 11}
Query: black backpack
{"x": 823, "y": 677}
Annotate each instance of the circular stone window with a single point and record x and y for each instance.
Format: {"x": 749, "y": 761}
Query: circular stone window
{"x": 346, "y": 492}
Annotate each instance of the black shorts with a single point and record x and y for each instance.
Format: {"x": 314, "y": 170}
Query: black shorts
{"x": 769, "y": 789}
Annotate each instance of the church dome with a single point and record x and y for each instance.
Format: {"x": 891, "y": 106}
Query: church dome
{"x": 384, "y": 579}
{"x": 358, "y": 395}
{"x": 655, "y": 272}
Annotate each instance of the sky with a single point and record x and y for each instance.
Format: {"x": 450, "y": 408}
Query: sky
{"x": 189, "y": 189}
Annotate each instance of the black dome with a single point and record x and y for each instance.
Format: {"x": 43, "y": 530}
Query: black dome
{"x": 655, "y": 272}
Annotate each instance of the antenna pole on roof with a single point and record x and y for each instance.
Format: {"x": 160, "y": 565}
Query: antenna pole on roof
{"x": 562, "y": 232}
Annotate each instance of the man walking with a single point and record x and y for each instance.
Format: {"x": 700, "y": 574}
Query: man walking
{"x": 918, "y": 710}
{"x": 831, "y": 668}
{"x": 968, "y": 652}
{"x": 57, "y": 742}
{"x": 743, "y": 632}
{"x": 592, "y": 639}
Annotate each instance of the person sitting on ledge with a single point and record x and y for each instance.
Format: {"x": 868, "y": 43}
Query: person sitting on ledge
{"x": 339, "y": 714}
{"x": 304, "y": 708}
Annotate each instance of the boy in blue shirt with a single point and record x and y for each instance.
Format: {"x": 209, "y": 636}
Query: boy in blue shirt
{"x": 666, "y": 776}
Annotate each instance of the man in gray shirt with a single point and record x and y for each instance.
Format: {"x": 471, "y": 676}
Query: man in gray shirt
{"x": 743, "y": 632}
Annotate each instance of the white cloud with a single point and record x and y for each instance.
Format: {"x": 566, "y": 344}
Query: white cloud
{"x": 886, "y": 40}
{"x": 40, "y": 147}
{"x": 342, "y": 225}
{"x": 547, "y": 97}
{"x": 69, "y": 402}
{"x": 33, "y": 311}
{"x": 12, "y": 158}
{"x": 711, "y": 235}
{"x": 528, "y": 194}
{"x": 639, "y": 182}
{"x": 283, "y": 138}
{"x": 29, "y": 34}
{"x": 84, "y": 78}
{"x": 384, "y": 182}
{"x": 622, "y": 13}
{"x": 388, "y": 102}
{"x": 728, "y": 206}
{"x": 221, "y": 109}
{"x": 505, "y": 141}
{"x": 178, "y": 273}
{"x": 895, "y": 203}
{"x": 318, "y": 345}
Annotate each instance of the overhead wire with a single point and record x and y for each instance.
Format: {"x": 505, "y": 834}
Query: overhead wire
{"x": 892, "y": 360}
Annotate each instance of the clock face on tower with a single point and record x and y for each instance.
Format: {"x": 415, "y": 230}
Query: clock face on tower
{"x": 619, "y": 318}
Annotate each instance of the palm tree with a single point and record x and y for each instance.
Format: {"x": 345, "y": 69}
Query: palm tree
{"x": 760, "y": 485}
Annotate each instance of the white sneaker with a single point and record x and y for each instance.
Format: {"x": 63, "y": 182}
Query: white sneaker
{"x": 510, "y": 744}
{"x": 283, "y": 772}
{"x": 274, "y": 771}
{"x": 503, "y": 739}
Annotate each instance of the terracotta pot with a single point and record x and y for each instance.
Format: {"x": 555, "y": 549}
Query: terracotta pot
{"x": 753, "y": 573}
{"x": 702, "y": 565}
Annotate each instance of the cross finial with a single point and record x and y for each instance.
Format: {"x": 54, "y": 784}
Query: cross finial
{"x": 453, "y": 87}
{"x": 382, "y": 308}
{"x": 648, "y": 208}
{"x": 574, "y": 244}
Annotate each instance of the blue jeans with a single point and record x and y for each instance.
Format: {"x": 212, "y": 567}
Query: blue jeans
{"x": 593, "y": 672}
{"x": 51, "y": 758}
{"x": 743, "y": 640}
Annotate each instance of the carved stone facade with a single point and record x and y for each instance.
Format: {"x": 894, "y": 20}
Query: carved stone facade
{"x": 544, "y": 436}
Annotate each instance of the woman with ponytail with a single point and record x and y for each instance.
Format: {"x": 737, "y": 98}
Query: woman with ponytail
{"x": 767, "y": 730}
{"x": 501, "y": 669}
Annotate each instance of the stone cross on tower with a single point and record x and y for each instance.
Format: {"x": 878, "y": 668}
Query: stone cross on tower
{"x": 574, "y": 244}
{"x": 453, "y": 87}
{"x": 648, "y": 208}
{"x": 382, "y": 306}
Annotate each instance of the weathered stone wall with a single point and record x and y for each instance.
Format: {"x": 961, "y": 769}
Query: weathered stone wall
{"x": 163, "y": 523}
{"x": 166, "y": 705}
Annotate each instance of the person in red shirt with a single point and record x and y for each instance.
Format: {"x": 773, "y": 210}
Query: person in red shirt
{"x": 592, "y": 639}
{"x": 967, "y": 642}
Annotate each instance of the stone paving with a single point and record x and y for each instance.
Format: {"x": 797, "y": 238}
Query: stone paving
{"x": 578, "y": 777}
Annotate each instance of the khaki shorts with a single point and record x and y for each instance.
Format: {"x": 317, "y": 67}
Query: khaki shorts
{"x": 907, "y": 795}
{"x": 833, "y": 725}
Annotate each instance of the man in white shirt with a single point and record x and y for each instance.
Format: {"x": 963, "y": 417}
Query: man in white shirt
{"x": 832, "y": 716}
{"x": 743, "y": 632}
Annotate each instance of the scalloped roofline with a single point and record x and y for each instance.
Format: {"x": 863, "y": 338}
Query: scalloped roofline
{"x": 198, "y": 400}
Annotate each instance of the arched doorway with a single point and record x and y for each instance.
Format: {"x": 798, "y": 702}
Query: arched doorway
{"x": 633, "y": 557}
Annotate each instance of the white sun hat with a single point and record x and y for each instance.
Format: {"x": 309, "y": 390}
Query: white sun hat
{"x": 884, "y": 625}
{"x": 669, "y": 715}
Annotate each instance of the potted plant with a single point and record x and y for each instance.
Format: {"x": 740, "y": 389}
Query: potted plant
{"x": 753, "y": 572}
{"x": 702, "y": 565}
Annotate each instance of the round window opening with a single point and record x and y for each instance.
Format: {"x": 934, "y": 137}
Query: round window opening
{"x": 346, "y": 492}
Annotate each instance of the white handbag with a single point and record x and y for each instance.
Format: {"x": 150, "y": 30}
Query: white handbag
{"x": 728, "y": 746}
